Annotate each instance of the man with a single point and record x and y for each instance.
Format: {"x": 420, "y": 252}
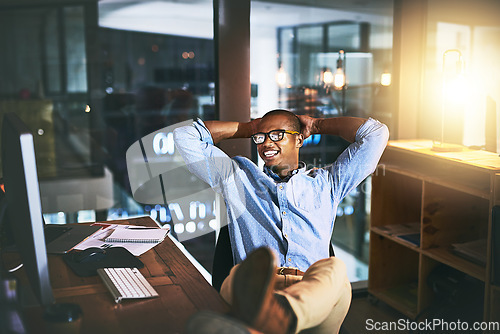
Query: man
{"x": 283, "y": 213}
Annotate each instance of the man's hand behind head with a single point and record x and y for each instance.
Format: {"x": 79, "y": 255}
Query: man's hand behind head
{"x": 308, "y": 125}
{"x": 254, "y": 124}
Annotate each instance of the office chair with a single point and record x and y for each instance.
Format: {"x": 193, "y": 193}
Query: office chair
{"x": 223, "y": 258}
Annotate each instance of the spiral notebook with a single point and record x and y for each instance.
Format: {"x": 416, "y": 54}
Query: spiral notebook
{"x": 137, "y": 235}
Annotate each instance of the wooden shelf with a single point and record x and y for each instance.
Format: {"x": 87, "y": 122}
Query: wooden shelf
{"x": 448, "y": 198}
{"x": 474, "y": 188}
{"x": 394, "y": 238}
{"x": 445, "y": 256}
{"x": 402, "y": 298}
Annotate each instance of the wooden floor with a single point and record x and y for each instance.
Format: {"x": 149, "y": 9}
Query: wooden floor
{"x": 365, "y": 311}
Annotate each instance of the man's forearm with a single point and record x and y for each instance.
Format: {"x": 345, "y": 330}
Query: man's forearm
{"x": 345, "y": 127}
{"x": 221, "y": 130}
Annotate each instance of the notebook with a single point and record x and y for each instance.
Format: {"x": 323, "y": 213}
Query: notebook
{"x": 137, "y": 235}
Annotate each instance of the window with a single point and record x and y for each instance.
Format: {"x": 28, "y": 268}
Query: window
{"x": 46, "y": 63}
{"x": 468, "y": 100}
{"x": 92, "y": 79}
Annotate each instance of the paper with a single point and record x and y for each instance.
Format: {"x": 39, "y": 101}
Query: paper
{"x": 97, "y": 240}
{"x": 138, "y": 235}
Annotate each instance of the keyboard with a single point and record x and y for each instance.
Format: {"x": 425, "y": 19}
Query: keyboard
{"x": 126, "y": 283}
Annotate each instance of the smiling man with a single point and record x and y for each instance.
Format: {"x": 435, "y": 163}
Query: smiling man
{"x": 283, "y": 214}
{"x": 279, "y": 142}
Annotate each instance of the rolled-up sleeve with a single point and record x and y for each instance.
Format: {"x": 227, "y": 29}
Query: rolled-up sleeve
{"x": 195, "y": 144}
{"x": 360, "y": 159}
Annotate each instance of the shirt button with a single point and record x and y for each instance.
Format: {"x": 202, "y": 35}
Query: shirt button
{"x": 281, "y": 187}
{"x": 286, "y": 235}
{"x": 284, "y": 213}
{"x": 289, "y": 260}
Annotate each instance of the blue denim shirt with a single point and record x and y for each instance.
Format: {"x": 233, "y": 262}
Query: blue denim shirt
{"x": 295, "y": 218}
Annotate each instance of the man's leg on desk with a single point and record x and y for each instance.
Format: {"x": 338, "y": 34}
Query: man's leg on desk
{"x": 316, "y": 304}
{"x": 322, "y": 298}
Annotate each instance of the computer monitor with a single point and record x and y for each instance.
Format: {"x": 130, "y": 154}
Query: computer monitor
{"x": 24, "y": 205}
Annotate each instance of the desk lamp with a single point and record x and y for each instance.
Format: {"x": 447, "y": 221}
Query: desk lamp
{"x": 339, "y": 78}
{"x": 450, "y": 81}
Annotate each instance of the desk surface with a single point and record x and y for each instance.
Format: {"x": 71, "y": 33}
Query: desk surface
{"x": 182, "y": 289}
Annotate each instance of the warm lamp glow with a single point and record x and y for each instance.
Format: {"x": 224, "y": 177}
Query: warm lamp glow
{"x": 385, "y": 79}
{"x": 339, "y": 79}
{"x": 327, "y": 77}
{"x": 281, "y": 77}
{"x": 453, "y": 90}
{"x": 456, "y": 88}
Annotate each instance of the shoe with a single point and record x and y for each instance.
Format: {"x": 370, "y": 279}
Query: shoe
{"x": 254, "y": 301}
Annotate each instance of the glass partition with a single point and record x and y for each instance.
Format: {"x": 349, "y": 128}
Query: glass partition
{"x": 93, "y": 79}
{"x": 44, "y": 80}
{"x": 156, "y": 61}
{"x": 76, "y": 67}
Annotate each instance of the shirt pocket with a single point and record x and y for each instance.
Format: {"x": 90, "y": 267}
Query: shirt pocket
{"x": 307, "y": 194}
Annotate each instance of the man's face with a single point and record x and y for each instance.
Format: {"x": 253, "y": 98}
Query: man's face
{"x": 282, "y": 154}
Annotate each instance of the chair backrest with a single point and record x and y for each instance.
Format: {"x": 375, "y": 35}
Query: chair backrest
{"x": 223, "y": 258}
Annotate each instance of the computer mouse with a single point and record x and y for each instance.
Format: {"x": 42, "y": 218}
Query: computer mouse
{"x": 90, "y": 255}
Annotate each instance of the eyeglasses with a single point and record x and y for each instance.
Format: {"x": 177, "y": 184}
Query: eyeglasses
{"x": 274, "y": 135}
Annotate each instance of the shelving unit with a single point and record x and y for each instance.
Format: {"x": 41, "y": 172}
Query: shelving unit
{"x": 425, "y": 206}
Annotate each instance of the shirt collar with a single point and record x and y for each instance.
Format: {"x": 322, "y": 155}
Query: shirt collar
{"x": 275, "y": 177}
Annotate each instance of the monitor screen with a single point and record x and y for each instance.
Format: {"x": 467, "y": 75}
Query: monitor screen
{"x": 24, "y": 206}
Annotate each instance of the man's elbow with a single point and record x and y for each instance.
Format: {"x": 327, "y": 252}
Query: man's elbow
{"x": 182, "y": 134}
{"x": 380, "y": 135}
{"x": 181, "y": 138}
{"x": 385, "y": 133}
{"x": 177, "y": 135}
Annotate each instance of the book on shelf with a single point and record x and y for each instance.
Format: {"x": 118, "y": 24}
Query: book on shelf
{"x": 413, "y": 238}
{"x": 400, "y": 229}
{"x": 473, "y": 251}
{"x": 408, "y": 232}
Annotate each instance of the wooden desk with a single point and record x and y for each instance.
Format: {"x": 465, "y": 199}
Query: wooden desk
{"x": 183, "y": 291}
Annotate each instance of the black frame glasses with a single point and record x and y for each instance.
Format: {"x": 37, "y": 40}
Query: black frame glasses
{"x": 274, "y": 135}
